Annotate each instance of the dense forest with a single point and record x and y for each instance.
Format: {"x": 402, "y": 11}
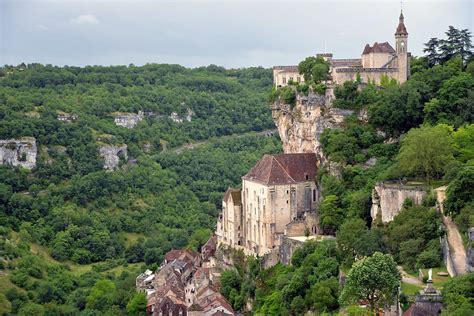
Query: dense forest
{"x": 71, "y": 231}
{"x": 74, "y": 236}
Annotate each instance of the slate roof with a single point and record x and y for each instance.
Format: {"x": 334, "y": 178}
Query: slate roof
{"x": 401, "y": 29}
{"x": 284, "y": 169}
{"x": 384, "y": 47}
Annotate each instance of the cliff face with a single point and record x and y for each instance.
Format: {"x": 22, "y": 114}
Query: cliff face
{"x": 387, "y": 199}
{"x": 112, "y": 154}
{"x": 300, "y": 127}
{"x": 18, "y": 152}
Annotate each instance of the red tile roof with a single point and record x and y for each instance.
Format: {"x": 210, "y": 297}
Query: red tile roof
{"x": 284, "y": 169}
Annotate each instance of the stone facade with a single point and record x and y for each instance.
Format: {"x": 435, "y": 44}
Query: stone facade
{"x": 112, "y": 154}
{"x": 18, "y": 152}
{"x": 377, "y": 61}
{"x": 278, "y": 190}
{"x": 388, "y": 198}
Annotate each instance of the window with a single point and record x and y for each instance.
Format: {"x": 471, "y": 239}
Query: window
{"x": 306, "y": 176}
{"x": 298, "y": 79}
{"x": 291, "y": 78}
{"x": 286, "y": 201}
{"x": 287, "y": 192}
{"x": 284, "y": 80}
{"x": 314, "y": 195}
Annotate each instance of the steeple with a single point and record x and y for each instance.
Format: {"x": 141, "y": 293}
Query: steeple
{"x": 401, "y": 29}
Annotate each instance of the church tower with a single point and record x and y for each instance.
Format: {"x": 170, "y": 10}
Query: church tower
{"x": 401, "y": 41}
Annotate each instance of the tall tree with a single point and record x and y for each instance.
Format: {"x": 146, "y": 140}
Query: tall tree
{"x": 425, "y": 151}
{"x": 431, "y": 50}
{"x": 373, "y": 279}
{"x": 314, "y": 69}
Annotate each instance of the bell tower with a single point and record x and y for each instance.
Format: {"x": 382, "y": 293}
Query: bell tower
{"x": 401, "y": 43}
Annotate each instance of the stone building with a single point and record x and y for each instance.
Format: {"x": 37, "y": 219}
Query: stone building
{"x": 277, "y": 192}
{"x": 377, "y": 61}
{"x": 388, "y": 198}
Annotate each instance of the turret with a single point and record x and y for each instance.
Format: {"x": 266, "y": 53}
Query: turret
{"x": 401, "y": 41}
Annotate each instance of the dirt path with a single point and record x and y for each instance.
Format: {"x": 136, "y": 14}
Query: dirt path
{"x": 406, "y": 278}
{"x": 178, "y": 150}
{"x": 458, "y": 252}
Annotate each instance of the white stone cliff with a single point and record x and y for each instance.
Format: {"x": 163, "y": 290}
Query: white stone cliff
{"x": 18, "y": 152}
{"x": 387, "y": 199}
{"x": 300, "y": 127}
{"x": 112, "y": 154}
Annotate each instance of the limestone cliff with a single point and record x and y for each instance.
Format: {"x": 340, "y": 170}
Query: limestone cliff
{"x": 300, "y": 126}
{"x": 112, "y": 154}
{"x": 388, "y": 198}
{"x": 18, "y": 152}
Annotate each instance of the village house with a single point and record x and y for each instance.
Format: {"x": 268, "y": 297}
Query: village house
{"x": 181, "y": 282}
{"x": 377, "y": 61}
{"x": 278, "y": 197}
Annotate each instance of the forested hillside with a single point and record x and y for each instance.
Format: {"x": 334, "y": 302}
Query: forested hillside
{"x": 71, "y": 231}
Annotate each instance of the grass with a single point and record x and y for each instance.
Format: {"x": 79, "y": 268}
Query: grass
{"x": 410, "y": 289}
{"x": 438, "y": 281}
{"x": 131, "y": 238}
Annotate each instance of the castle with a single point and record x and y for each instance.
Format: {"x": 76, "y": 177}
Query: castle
{"x": 278, "y": 198}
{"x": 377, "y": 61}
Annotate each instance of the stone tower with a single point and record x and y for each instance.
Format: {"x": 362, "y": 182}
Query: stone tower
{"x": 401, "y": 41}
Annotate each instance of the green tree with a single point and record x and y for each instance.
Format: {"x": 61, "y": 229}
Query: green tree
{"x": 101, "y": 296}
{"x": 314, "y": 69}
{"x": 459, "y": 192}
{"x": 374, "y": 279}
{"x": 457, "y": 295}
{"x": 230, "y": 280}
{"x": 425, "y": 151}
{"x": 137, "y": 304}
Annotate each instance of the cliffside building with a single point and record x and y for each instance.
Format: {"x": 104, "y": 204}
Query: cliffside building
{"x": 279, "y": 196}
{"x": 377, "y": 61}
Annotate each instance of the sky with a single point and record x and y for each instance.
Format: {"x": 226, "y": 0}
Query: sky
{"x": 227, "y": 33}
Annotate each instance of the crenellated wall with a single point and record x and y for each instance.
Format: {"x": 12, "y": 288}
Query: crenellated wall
{"x": 388, "y": 198}
{"x": 18, "y": 152}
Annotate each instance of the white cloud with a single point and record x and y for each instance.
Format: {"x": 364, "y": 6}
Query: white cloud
{"x": 85, "y": 19}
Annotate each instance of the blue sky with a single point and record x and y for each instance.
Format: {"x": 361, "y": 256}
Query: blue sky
{"x": 227, "y": 33}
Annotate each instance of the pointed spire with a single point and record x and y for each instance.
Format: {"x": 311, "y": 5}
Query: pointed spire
{"x": 401, "y": 29}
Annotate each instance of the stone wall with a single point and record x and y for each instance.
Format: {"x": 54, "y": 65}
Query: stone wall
{"x": 111, "y": 155}
{"x": 388, "y": 198}
{"x": 18, "y": 152}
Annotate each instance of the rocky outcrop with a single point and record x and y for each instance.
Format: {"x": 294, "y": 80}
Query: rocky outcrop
{"x": 128, "y": 120}
{"x": 18, "y": 152}
{"x": 180, "y": 119}
{"x": 388, "y": 198}
{"x": 112, "y": 155}
{"x": 300, "y": 126}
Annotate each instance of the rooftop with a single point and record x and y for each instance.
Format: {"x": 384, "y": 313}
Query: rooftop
{"x": 384, "y": 47}
{"x": 284, "y": 169}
